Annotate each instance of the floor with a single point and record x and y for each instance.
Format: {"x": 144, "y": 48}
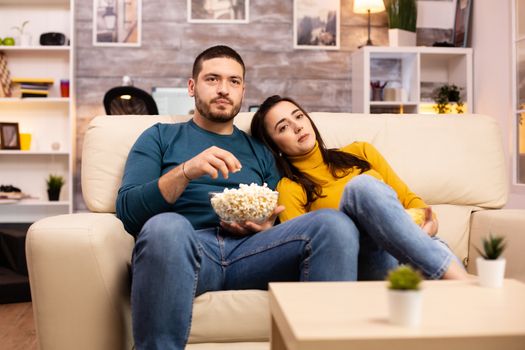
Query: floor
{"x": 17, "y": 330}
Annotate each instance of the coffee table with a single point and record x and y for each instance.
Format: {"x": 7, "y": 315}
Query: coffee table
{"x": 353, "y": 315}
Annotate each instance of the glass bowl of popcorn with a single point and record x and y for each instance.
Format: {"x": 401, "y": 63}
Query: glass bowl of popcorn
{"x": 246, "y": 203}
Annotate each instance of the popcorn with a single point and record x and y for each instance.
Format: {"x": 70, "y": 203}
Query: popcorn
{"x": 247, "y": 203}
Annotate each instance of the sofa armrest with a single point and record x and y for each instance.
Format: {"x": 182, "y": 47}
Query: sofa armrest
{"x": 79, "y": 276}
{"x": 509, "y": 223}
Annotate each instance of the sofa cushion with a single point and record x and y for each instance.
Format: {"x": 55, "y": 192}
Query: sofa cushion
{"x": 240, "y": 315}
{"x": 454, "y": 227}
{"x": 445, "y": 159}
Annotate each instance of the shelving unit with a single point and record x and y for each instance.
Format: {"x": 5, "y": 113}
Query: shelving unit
{"x": 414, "y": 71}
{"x": 50, "y": 120}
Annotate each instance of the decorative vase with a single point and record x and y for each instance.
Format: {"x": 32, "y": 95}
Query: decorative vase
{"x": 490, "y": 272}
{"x": 400, "y": 37}
{"x": 53, "y": 194}
{"x": 405, "y": 307}
{"x": 25, "y": 39}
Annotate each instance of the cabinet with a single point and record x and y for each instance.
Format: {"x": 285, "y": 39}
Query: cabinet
{"x": 49, "y": 120}
{"x": 412, "y": 74}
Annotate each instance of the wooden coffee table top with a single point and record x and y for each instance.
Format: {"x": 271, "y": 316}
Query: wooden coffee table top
{"x": 315, "y": 315}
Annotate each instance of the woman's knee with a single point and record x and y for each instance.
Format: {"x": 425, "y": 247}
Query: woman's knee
{"x": 337, "y": 225}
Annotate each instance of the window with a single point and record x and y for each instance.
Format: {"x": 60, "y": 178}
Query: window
{"x": 519, "y": 90}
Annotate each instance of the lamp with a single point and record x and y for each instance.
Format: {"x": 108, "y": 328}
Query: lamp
{"x": 368, "y": 6}
{"x": 110, "y": 17}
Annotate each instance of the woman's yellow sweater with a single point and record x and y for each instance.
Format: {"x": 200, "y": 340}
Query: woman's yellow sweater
{"x": 293, "y": 196}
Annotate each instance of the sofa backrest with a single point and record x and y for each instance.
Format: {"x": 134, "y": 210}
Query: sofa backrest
{"x": 446, "y": 159}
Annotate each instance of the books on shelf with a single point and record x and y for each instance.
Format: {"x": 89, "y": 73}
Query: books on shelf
{"x": 30, "y": 87}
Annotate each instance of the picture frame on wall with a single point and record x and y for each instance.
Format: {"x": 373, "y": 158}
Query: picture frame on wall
{"x": 461, "y": 23}
{"x": 9, "y": 136}
{"x": 316, "y": 24}
{"x": 117, "y": 22}
{"x": 218, "y": 11}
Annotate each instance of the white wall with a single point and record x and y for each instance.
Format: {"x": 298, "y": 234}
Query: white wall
{"x": 492, "y": 43}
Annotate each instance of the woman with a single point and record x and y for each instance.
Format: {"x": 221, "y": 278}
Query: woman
{"x": 359, "y": 181}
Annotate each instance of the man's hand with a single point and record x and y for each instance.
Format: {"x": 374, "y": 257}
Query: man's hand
{"x": 249, "y": 227}
{"x": 430, "y": 225}
{"x": 210, "y": 162}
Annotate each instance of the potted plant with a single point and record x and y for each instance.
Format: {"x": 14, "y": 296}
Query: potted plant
{"x": 404, "y": 296}
{"x": 402, "y": 17}
{"x": 490, "y": 264}
{"x": 444, "y": 96}
{"x": 54, "y": 185}
{"x": 24, "y": 37}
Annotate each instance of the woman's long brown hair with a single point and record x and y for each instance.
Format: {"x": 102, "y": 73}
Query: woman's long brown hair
{"x": 339, "y": 163}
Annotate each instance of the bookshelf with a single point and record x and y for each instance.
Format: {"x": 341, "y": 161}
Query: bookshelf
{"x": 417, "y": 71}
{"x": 49, "y": 120}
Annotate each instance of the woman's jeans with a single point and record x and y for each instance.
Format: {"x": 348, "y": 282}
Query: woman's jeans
{"x": 173, "y": 263}
{"x": 388, "y": 234}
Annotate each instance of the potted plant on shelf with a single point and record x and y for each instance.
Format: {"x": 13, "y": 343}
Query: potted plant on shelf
{"x": 446, "y": 95}
{"x": 402, "y": 17}
{"x": 490, "y": 264}
{"x": 54, "y": 185}
{"x": 404, "y": 296}
{"x": 24, "y": 38}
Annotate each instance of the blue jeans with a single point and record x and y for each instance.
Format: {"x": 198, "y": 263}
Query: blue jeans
{"x": 388, "y": 234}
{"x": 173, "y": 263}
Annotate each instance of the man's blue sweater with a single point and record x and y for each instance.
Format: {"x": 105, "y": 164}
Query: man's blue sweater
{"x": 165, "y": 146}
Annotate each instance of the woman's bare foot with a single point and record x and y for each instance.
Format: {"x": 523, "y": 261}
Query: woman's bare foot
{"x": 456, "y": 272}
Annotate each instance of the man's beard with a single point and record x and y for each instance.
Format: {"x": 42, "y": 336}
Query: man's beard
{"x": 220, "y": 117}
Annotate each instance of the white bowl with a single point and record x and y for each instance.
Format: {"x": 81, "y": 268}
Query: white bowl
{"x": 236, "y": 205}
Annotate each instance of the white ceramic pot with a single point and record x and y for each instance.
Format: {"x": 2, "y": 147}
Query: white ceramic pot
{"x": 405, "y": 307}
{"x": 490, "y": 272}
{"x": 400, "y": 37}
{"x": 25, "y": 39}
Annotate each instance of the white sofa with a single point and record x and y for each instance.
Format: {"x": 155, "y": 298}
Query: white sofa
{"x": 79, "y": 264}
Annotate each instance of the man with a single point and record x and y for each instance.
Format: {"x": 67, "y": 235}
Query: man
{"x": 181, "y": 248}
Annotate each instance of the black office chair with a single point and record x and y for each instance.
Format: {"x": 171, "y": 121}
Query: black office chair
{"x": 129, "y": 100}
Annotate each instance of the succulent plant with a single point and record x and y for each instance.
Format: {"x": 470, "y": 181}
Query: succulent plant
{"x": 404, "y": 278}
{"x": 55, "y": 182}
{"x": 493, "y": 246}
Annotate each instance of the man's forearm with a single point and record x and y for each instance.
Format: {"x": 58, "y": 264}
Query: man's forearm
{"x": 173, "y": 183}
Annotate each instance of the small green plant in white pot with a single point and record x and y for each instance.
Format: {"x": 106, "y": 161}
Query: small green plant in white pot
{"x": 490, "y": 264}
{"x": 54, "y": 185}
{"x": 404, "y": 296}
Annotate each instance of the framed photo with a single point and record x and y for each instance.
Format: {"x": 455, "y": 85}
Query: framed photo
{"x": 316, "y": 24}
{"x": 461, "y": 23}
{"x": 218, "y": 11}
{"x": 9, "y": 136}
{"x": 117, "y": 22}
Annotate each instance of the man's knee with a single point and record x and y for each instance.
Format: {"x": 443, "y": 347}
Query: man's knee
{"x": 166, "y": 230}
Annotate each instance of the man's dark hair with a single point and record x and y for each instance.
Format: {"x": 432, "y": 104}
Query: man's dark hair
{"x": 218, "y": 51}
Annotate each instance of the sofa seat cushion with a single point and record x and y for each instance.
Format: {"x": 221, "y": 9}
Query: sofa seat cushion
{"x": 226, "y": 316}
{"x": 230, "y": 346}
{"x": 454, "y": 227}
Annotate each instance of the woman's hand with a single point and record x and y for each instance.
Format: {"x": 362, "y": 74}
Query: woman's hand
{"x": 249, "y": 227}
{"x": 430, "y": 225}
